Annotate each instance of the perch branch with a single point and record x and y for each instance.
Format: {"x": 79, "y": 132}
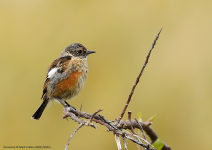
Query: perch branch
{"x": 101, "y": 120}
{"x": 117, "y": 129}
{"x": 118, "y": 125}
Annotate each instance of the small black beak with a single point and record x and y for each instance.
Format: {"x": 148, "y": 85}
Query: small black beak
{"x": 90, "y": 52}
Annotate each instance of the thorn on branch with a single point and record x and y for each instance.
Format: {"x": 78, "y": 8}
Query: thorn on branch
{"x": 80, "y": 110}
{"x": 129, "y": 118}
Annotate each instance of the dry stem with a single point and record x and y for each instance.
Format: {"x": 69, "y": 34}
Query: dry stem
{"x": 137, "y": 80}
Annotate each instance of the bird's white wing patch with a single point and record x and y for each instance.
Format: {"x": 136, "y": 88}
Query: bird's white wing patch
{"x": 52, "y": 72}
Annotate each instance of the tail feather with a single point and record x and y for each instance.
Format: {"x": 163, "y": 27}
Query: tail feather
{"x": 40, "y": 110}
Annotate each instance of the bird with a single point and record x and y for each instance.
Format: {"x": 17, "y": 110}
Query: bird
{"x": 65, "y": 77}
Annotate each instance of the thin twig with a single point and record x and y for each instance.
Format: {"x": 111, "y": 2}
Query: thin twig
{"x": 142, "y": 130}
{"x": 80, "y": 110}
{"x": 66, "y": 146}
{"x": 125, "y": 144}
{"x": 108, "y": 122}
{"x": 95, "y": 114}
{"x": 137, "y": 142}
{"x": 138, "y": 137}
{"x": 137, "y": 80}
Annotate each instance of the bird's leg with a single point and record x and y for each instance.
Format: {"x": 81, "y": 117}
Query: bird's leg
{"x": 61, "y": 102}
{"x": 70, "y": 106}
{"x": 67, "y": 104}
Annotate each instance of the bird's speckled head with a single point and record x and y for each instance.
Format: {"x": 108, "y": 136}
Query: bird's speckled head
{"x": 76, "y": 50}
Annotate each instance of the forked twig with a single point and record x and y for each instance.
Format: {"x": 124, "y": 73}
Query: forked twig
{"x": 137, "y": 80}
{"x": 95, "y": 114}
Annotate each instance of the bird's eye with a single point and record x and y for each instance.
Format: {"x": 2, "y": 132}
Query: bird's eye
{"x": 79, "y": 51}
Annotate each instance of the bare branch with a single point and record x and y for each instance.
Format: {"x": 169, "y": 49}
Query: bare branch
{"x": 138, "y": 137}
{"x": 137, "y": 80}
{"x": 77, "y": 119}
{"x": 66, "y": 146}
{"x": 147, "y": 128}
{"x": 101, "y": 120}
{"x": 138, "y": 142}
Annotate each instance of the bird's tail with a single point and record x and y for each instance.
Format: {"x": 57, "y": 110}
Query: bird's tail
{"x": 40, "y": 110}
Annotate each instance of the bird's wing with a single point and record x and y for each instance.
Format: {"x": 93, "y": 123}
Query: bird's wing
{"x": 59, "y": 65}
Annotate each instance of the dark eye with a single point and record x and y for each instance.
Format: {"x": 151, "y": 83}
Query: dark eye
{"x": 79, "y": 51}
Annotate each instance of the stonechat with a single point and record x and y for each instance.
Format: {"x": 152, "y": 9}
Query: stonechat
{"x": 65, "y": 76}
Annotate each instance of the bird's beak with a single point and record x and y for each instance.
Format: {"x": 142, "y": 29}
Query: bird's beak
{"x": 90, "y": 52}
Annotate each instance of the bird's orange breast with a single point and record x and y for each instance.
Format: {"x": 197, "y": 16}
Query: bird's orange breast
{"x": 65, "y": 85}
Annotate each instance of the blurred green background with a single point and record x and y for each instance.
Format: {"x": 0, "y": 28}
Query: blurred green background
{"x": 176, "y": 84}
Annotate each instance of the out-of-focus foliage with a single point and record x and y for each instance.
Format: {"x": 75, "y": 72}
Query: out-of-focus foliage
{"x": 176, "y": 84}
{"x": 152, "y": 118}
{"x": 158, "y": 144}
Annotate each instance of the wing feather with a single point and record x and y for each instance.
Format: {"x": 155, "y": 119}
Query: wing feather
{"x": 59, "y": 65}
